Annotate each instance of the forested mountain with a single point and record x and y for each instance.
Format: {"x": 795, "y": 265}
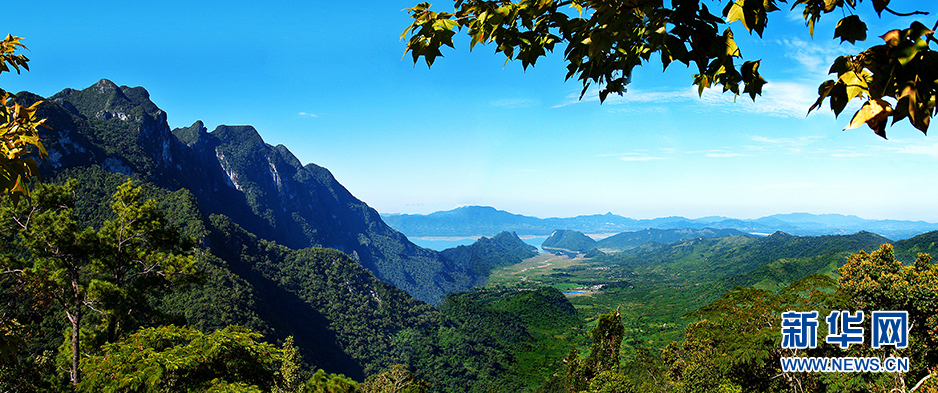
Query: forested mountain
{"x": 657, "y": 285}
{"x": 341, "y": 317}
{"x": 485, "y": 254}
{"x": 231, "y": 171}
{"x": 628, "y": 240}
{"x": 258, "y": 213}
{"x": 481, "y": 220}
{"x": 563, "y": 239}
{"x": 742, "y": 254}
{"x": 576, "y": 241}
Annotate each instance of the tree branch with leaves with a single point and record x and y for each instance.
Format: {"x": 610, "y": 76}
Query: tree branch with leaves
{"x": 18, "y": 129}
{"x": 606, "y": 39}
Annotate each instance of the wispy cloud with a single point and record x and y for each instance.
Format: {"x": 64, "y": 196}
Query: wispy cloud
{"x": 631, "y": 96}
{"x": 848, "y": 153}
{"x": 516, "y": 103}
{"x": 634, "y": 157}
{"x": 794, "y": 145}
{"x": 794, "y": 16}
{"x": 915, "y": 147}
{"x": 795, "y": 186}
{"x": 639, "y": 158}
{"x": 723, "y": 154}
{"x": 780, "y": 99}
{"x": 788, "y": 186}
{"x": 308, "y": 114}
{"x": 815, "y": 57}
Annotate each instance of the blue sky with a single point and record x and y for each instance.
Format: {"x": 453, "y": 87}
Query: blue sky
{"x": 328, "y": 80}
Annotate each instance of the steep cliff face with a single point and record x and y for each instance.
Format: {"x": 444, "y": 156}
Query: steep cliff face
{"x": 232, "y": 171}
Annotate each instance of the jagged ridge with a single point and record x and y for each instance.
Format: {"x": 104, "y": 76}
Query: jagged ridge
{"x": 232, "y": 171}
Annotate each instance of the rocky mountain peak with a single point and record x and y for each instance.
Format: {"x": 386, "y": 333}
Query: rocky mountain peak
{"x": 245, "y": 136}
{"x": 231, "y": 171}
{"x": 192, "y": 134}
{"x": 104, "y": 86}
{"x": 105, "y": 100}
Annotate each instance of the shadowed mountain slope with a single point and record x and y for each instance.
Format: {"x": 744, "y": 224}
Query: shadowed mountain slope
{"x": 232, "y": 171}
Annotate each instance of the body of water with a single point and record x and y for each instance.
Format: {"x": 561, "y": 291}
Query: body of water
{"x": 440, "y": 243}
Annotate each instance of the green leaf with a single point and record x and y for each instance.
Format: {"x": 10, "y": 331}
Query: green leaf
{"x": 916, "y": 31}
{"x": 850, "y": 29}
{"x": 908, "y": 54}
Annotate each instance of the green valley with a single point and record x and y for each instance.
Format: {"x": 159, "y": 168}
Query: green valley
{"x": 656, "y": 286}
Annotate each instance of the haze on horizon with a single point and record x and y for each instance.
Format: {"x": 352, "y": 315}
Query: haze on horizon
{"x": 332, "y": 86}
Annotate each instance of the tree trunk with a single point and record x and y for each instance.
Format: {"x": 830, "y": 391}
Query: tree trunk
{"x": 75, "y": 319}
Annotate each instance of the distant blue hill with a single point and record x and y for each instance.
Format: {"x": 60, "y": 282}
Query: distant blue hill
{"x": 487, "y": 221}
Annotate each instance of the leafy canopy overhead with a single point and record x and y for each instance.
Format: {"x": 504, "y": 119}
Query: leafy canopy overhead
{"x": 607, "y": 39}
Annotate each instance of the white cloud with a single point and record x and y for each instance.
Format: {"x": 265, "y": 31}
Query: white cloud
{"x": 641, "y": 155}
{"x": 515, "y": 103}
{"x": 308, "y": 114}
{"x": 780, "y": 99}
{"x": 788, "y": 186}
{"x": 718, "y": 154}
{"x": 915, "y": 147}
{"x": 849, "y": 154}
{"x": 794, "y": 16}
{"x": 631, "y": 96}
{"x": 794, "y": 145}
{"x": 815, "y": 57}
{"x": 633, "y": 157}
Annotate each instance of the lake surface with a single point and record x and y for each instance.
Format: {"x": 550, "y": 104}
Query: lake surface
{"x": 440, "y": 243}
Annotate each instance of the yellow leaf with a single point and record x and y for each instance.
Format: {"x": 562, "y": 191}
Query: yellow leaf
{"x": 873, "y": 113}
{"x": 736, "y": 12}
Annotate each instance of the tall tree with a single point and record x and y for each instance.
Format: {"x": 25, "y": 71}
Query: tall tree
{"x": 104, "y": 270}
{"x": 609, "y": 38}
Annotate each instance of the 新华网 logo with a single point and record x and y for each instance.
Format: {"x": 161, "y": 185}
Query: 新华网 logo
{"x": 887, "y": 328}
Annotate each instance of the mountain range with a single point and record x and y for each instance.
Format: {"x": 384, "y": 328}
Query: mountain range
{"x": 486, "y": 220}
{"x": 289, "y": 252}
{"x": 569, "y": 240}
{"x": 232, "y": 171}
